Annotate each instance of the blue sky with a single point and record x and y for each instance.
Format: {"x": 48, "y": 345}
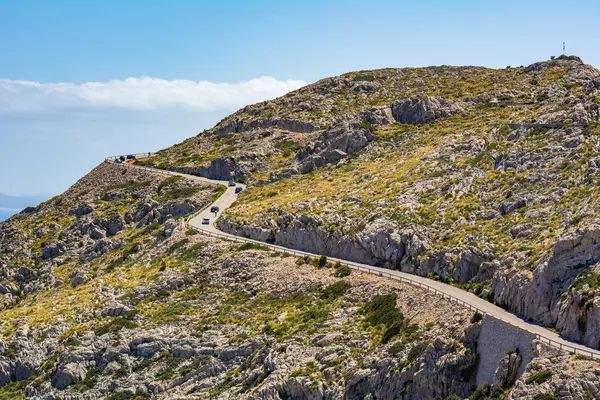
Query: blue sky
{"x": 163, "y": 71}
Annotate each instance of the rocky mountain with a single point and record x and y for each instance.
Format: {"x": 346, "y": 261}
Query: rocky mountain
{"x": 483, "y": 178}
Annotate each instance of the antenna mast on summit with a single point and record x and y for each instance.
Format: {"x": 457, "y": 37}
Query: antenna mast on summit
{"x": 564, "y": 51}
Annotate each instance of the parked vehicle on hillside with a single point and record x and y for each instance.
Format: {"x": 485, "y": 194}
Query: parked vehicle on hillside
{"x": 231, "y": 183}
{"x": 238, "y": 189}
{"x": 214, "y": 209}
{"x": 131, "y": 157}
{"x": 122, "y": 158}
{"x": 117, "y": 160}
{"x": 205, "y": 221}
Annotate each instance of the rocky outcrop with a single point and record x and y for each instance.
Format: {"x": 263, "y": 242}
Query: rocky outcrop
{"x": 223, "y": 168}
{"x": 379, "y": 243}
{"x": 508, "y": 370}
{"x": 80, "y": 210}
{"x": 541, "y": 298}
{"x": 423, "y": 109}
{"x": 53, "y": 250}
{"x": 333, "y": 144}
{"x": 287, "y": 124}
{"x": 564, "y": 378}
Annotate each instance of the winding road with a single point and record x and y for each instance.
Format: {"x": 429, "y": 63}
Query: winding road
{"x": 452, "y": 293}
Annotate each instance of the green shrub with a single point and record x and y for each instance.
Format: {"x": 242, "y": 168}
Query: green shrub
{"x": 91, "y": 378}
{"x": 381, "y": 311}
{"x": 169, "y": 369}
{"x": 539, "y": 377}
{"x": 191, "y": 232}
{"x": 582, "y": 357}
{"x": 288, "y": 147}
{"x": 341, "y": 270}
{"x": 191, "y": 252}
{"x": 114, "y": 325}
{"x": 120, "y": 395}
{"x": 253, "y": 246}
{"x": 13, "y": 391}
{"x": 417, "y": 350}
{"x": 364, "y": 77}
{"x": 177, "y": 245}
{"x": 368, "y": 126}
{"x": 476, "y": 317}
{"x": 485, "y": 392}
{"x": 132, "y": 185}
{"x": 396, "y": 348}
{"x": 181, "y": 193}
{"x": 169, "y": 181}
{"x": 170, "y": 312}
{"x": 322, "y": 261}
{"x": 335, "y": 290}
{"x": 586, "y": 277}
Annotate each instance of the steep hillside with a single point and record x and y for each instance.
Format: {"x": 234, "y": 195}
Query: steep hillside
{"x": 106, "y": 294}
{"x": 483, "y": 178}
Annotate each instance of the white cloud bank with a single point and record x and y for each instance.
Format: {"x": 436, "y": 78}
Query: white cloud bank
{"x": 145, "y": 93}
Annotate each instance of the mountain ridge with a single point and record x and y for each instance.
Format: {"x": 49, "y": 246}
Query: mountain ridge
{"x": 449, "y": 184}
{"x": 416, "y": 169}
{"x": 20, "y": 202}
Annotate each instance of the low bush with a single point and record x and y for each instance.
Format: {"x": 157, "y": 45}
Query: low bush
{"x": 115, "y": 325}
{"x": 322, "y": 261}
{"x": 169, "y": 181}
{"x": 417, "y": 351}
{"x": 381, "y": 311}
{"x": 181, "y": 193}
{"x": 191, "y": 232}
{"x": 396, "y": 348}
{"x": 335, "y": 290}
{"x": 341, "y": 270}
{"x": 539, "y": 377}
{"x": 476, "y": 317}
{"x": 253, "y": 246}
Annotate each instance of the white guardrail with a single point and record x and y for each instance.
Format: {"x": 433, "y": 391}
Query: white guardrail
{"x": 594, "y": 355}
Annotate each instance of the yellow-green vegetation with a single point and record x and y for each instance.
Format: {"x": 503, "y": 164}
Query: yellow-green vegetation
{"x": 453, "y": 83}
{"x": 383, "y": 316}
{"x": 589, "y": 279}
{"x": 120, "y": 268}
{"x": 539, "y": 377}
{"x": 418, "y": 176}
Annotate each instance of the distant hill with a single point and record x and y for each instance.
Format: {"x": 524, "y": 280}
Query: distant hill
{"x": 20, "y": 202}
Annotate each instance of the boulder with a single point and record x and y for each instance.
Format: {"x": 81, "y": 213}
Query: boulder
{"x": 115, "y": 225}
{"x": 508, "y": 370}
{"x": 80, "y": 210}
{"x": 53, "y": 250}
{"x": 68, "y": 374}
{"x": 423, "y": 109}
{"x": 113, "y": 308}
{"x": 97, "y": 233}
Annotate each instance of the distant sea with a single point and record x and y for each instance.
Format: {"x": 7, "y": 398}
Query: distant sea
{"x": 7, "y": 212}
